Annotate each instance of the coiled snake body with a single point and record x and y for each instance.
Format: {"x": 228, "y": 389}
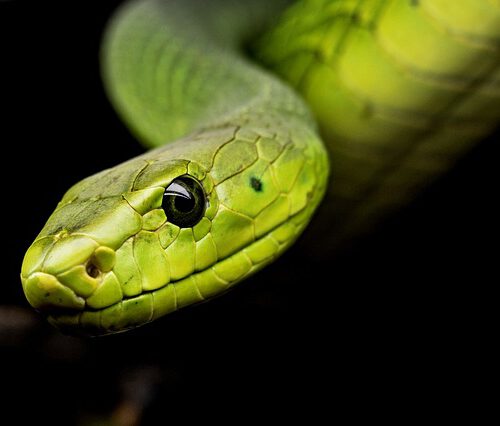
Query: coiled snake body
{"x": 386, "y": 94}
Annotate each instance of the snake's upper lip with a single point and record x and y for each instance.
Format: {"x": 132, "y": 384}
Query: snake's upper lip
{"x": 45, "y": 293}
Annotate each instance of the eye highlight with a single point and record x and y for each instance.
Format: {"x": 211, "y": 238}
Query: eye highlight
{"x": 184, "y": 202}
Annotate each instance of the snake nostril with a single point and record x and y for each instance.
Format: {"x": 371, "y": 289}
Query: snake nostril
{"x": 92, "y": 270}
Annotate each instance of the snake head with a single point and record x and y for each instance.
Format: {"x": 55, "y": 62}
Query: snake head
{"x": 171, "y": 228}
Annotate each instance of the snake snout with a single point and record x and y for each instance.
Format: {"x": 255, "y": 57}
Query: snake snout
{"x": 69, "y": 272}
{"x": 46, "y": 293}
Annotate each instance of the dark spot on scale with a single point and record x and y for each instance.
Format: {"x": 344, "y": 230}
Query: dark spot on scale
{"x": 57, "y": 230}
{"x": 356, "y": 19}
{"x": 368, "y": 111}
{"x": 256, "y": 184}
{"x": 414, "y": 3}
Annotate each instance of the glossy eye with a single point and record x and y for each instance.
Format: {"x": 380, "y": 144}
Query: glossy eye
{"x": 184, "y": 202}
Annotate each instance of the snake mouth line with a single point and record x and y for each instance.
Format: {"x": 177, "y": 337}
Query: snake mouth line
{"x": 133, "y": 311}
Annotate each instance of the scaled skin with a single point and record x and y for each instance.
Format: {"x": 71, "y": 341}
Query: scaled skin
{"x": 399, "y": 88}
{"x": 108, "y": 259}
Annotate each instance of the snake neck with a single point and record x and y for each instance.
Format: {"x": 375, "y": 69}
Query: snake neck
{"x": 175, "y": 67}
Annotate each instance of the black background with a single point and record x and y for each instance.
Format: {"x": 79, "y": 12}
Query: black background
{"x": 385, "y": 324}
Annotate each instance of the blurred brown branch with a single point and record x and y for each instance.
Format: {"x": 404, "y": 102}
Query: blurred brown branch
{"x": 15, "y": 324}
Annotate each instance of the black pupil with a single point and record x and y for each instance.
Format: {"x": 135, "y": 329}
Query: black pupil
{"x": 184, "y": 202}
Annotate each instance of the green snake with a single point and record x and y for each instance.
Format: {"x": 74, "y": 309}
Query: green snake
{"x": 254, "y": 111}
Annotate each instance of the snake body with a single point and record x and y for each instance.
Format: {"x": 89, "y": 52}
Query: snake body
{"x": 241, "y": 149}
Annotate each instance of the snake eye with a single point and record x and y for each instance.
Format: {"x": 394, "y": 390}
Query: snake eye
{"x": 184, "y": 202}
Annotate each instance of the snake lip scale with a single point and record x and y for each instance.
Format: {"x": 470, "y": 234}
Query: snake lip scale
{"x": 67, "y": 319}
